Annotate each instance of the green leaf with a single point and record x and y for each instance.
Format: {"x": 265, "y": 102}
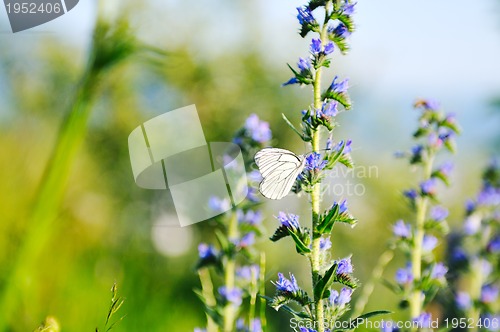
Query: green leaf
{"x": 302, "y": 136}
{"x": 346, "y": 280}
{"x": 302, "y": 79}
{"x": 343, "y": 98}
{"x": 313, "y": 4}
{"x": 300, "y": 245}
{"x": 340, "y": 42}
{"x": 325, "y": 281}
{"x": 210, "y": 311}
{"x": 286, "y": 308}
{"x": 280, "y": 233}
{"x": 438, "y": 174}
{"x": 346, "y": 161}
{"x": 327, "y": 220}
{"x": 347, "y": 20}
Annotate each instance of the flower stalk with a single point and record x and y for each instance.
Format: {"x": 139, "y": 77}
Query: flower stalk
{"x": 423, "y": 276}
{"x": 327, "y": 304}
{"x": 232, "y": 306}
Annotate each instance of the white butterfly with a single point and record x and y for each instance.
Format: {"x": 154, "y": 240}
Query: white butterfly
{"x": 279, "y": 169}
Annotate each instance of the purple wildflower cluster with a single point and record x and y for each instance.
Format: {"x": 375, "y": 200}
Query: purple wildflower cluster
{"x": 423, "y": 276}
{"x": 235, "y": 260}
{"x": 474, "y": 252}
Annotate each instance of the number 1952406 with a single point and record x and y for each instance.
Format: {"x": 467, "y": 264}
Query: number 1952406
{"x": 470, "y": 323}
{"x": 33, "y": 8}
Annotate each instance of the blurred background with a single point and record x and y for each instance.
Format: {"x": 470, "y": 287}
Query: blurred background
{"x": 229, "y": 58}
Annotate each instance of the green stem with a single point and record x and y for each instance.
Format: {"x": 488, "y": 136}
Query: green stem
{"x": 230, "y": 270}
{"x": 253, "y": 298}
{"x": 316, "y": 190}
{"x": 207, "y": 289}
{"x": 48, "y": 199}
{"x": 262, "y": 290}
{"x": 416, "y": 302}
{"x": 377, "y": 273}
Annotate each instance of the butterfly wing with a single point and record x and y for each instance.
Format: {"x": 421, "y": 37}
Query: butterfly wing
{"x": 279, "y": 169}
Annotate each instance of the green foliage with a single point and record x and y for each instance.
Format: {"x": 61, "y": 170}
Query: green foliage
{"x": 116, "y": 303}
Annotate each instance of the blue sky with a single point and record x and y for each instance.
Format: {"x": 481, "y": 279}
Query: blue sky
{"x": 448, "y": 50}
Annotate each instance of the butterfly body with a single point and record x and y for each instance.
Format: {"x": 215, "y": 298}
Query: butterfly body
{"x": 279, "y": 169}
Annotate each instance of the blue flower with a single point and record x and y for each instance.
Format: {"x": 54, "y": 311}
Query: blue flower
{"x": 430, "y": 242}
{"x": 401, "y": 229}
{"x": 404, "y": 276}
{"x": 388, "y": 326}
{"x": 340, "y": 87}
{"x": 233, "y": 295}
{"x": 329, "y": 48}
{"x": 429, "y": 104}
{"x": 325, "y": 243}
{"x": 240, "y": 325}
{"x": 446, "y": 168}
{"x": 198, "y": 329}
{"x": 340, "y": 31}
{"x": 344, "y": 296}
{"x": 344, "y": 266}
{"x": 489, "y": 293}
{"x": 218, "y": 205}
{"x": 434, "y": 140}
{"x": 489, "y": 196}
{"x": 304, "y": 65}
{"x": 411, "y": 194}
{"x": 245, "y": 272}
{"x": 458, "y": 256}
{"x": 463, "y": 301}
{"x": 305, "y": 329}
{"x": 315, "y": 47}
{"x": 305, "y": 16}
{"x": 290, "y": 220}
{"x": 439, "y": 213}
{"x": 472, "y": 224}
{"x": 291, "y": 81}
{"x": 424, "y": 320}
{"x": 342, "y": 206}
{"x": 494, "y": 245}
{"x": 347, "y": 148}
{"x": 314, "y": 162}
{"x": 246, "y": 240}
{"x": 470, "y": 206}
{"x": 348, "y": 8}
{"x": 251, "y": 217}
{"x": 446, "y": 134}
{"x": 206, "y": 251}
{"x": 340, "y": 299}
{"x": 285, "y": 285}
{"x": 258, "y": 130}
{"x": 257, "y": 325}
{"x": 438, "y": 271}
{"x": 428, "y": 187}
{"x": 416, "y": 151}
{"x": 329, "y": 144}
{"x": 328, "y": 109}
